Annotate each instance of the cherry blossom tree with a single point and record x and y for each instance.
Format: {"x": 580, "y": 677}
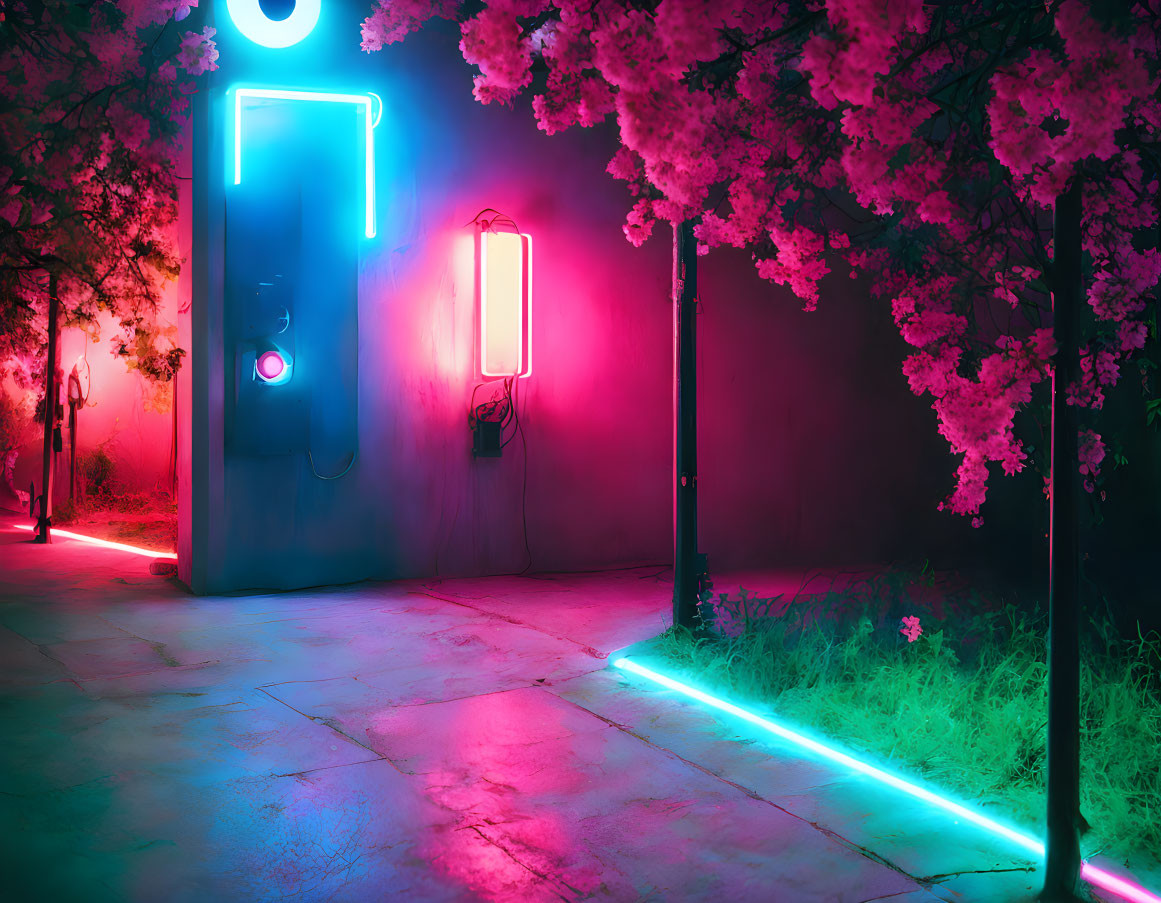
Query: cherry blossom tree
{"x": 91, "y": 110}
{"x": 920, "y": 144}
{"x": 91, "y": 107}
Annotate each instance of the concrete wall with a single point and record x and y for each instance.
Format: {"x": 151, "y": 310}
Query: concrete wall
{"x": 813, "y": 449}
{"x": 595, "y": 412}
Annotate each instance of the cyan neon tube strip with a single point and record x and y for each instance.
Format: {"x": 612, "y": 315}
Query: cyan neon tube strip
{"x": 1090, "y": 873}
{"x": 363, "y": 100}
{"x": 107, "y": 543}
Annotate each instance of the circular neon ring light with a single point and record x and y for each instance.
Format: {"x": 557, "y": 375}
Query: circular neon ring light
{"x": 261, "y": 29}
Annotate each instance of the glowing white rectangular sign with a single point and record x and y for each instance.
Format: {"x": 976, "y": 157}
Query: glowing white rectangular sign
{"x": 505, "y": 308}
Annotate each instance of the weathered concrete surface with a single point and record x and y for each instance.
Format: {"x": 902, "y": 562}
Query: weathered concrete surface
{"x": 452, "y": 740}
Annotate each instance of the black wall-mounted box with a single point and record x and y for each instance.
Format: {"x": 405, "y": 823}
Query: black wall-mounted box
{"x": 486, "y": 439}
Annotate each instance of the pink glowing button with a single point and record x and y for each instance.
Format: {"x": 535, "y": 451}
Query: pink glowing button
{"x": 505, "y": 304}
{"x": 271, "y": 365}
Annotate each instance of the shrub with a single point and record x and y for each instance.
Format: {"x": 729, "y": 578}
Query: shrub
{"x": 15, "y": 418}
{"x": 97, "y": 472}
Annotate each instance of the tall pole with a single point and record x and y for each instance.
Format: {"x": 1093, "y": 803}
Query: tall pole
{"x": 1062, "y": 867}
{"x": 44, "y": 522}
{"x": 685, "y": 560}
{"x": 75, "y": 401}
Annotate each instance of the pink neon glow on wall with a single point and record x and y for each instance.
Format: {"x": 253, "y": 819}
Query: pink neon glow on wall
{"x": 828, "y": 421}
{"x": 505, "y": 304}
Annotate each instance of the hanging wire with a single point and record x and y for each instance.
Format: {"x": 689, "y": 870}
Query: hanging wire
{"x": 343, "y": 473}
{"x": 486, "y": 411}
{"x": 511, "y": 394}
{"x": 524, "y": 488}
{"x": 489, "y": 225}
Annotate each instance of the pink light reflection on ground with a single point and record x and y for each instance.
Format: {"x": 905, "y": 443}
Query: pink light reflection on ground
{"x": 505, "y": 835}
{"x": 108, "y": 544}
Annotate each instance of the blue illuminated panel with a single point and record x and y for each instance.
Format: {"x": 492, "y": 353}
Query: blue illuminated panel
{"x": 364, "y": 101}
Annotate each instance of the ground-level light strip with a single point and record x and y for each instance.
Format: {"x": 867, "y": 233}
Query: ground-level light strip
{"x": 107, "y": 543}
{"x": 1090, "y": 873}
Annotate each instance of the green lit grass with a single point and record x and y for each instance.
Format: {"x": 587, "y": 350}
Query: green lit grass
{"x": 964, "y": 706}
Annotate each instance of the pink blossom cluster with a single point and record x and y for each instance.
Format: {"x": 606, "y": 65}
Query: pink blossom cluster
{"x": 1091, "y": 451}
{"x": 910, "y": 628}
{"x": 846, "y": 62}
{"x": 798, "y": 262}
{"x": 1050, "y": 112}
{"x": 923, "y": 145}
{"x": 93, "y": 107}
{"x": 198, "y": 53}
{"x": 393, "y": 20}
{"x": 493, "y": 41}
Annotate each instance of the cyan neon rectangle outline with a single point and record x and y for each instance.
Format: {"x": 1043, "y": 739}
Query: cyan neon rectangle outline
{"x": 364, "y": 100}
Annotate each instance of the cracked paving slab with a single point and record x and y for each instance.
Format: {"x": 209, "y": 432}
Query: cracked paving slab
{"x": 604, "y": 611}
{"x": 603, "y": 816}
{"x": 24, "y": 662}
{"x": 68, "y": 737}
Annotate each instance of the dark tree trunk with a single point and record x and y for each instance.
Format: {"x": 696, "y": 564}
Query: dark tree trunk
{"x": 686, "y": 575}
{"x": 1062, "y": 866}
{"x": 44, "y": 522}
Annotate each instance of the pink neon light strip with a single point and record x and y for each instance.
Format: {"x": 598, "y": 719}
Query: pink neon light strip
{"x": 1112, "y": 883}
{"x": 108, "y": 544}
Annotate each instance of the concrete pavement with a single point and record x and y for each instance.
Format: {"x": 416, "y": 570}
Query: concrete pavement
{"x": 441, "y": 740}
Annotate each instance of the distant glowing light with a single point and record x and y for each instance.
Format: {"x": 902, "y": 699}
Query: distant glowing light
{"x": 108, "y": 544}
{"x": 505, "y": 304}
{"x": 275, "y": 33}
{"x": 270, "y": 365}
{"x": 362, "y": 100}
{"x": 1088, "y": 872}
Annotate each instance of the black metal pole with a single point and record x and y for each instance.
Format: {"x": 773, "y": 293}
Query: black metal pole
{"x": 44, "y": 522}
{"x": 1062, "y": 866}
{"x": 685, "y": 563}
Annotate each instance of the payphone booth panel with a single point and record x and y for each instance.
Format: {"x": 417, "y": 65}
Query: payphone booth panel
{"x": 291, "y": 279}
